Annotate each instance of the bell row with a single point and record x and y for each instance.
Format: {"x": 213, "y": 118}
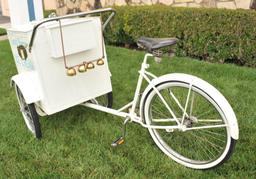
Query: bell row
{"x": 83, "y": 67}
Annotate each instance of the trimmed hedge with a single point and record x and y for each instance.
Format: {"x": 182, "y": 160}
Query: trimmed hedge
{"x": 215, "y": 35}
{"x": 2, "y": 32}
{"x": 48, "y": 12}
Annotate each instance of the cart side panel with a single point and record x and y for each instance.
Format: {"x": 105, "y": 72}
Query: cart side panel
{"x": 59, "y": 90}
{"x": 77, "y": 37}
{"x": 18, "y": 38}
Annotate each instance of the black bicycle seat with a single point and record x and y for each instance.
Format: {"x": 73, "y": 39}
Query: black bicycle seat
{"x": 152, "y": 44}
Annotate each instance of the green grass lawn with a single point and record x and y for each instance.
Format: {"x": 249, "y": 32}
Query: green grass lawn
{"x": 2, "y": 31}
{"x": 76, "y": 142}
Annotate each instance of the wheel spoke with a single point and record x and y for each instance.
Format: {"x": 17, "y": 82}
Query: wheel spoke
{"x": 164, "y": 120}
{"x": 186, "y": 105}
{"x": 178, "y": 103}
{"x": 160, "y": 112}
{"x": 29, "y": 114}
{"x": 204, "y": 148}
{"x": 166, "y": 104}
{"x": 205, "y": 113}
{"x": 209, "y": 120}
{"x": 206, "y": 127}
{"x": 192, "y": 103}
{"x": 204, "y": 136}
{"x": 210, "y": 136}
{"x": 210, "y": 143}
{"x": 213, "y": 133}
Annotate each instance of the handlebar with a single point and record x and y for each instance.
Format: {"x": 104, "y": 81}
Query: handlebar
{"x": 70, "y": 16}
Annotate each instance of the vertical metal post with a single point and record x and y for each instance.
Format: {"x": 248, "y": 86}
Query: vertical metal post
{"x": 138, "y": 88}
{"x": 31, "y": 10}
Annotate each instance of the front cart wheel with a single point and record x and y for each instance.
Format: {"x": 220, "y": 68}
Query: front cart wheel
{"x": 29, "y": 114}
{"x": 204, "y": 141}
{"x": 105, "y": 100}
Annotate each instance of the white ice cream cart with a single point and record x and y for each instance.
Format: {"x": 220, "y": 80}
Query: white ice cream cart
{"x": 61, "y": 63}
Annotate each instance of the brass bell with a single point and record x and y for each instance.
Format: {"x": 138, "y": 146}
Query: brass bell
{"x": 22, "y": 52}
{"x": 71, "y": 72}
{"x": 82, "y": 68}
{"x": 90, "y": 65}
{"x": 100, "y": 62}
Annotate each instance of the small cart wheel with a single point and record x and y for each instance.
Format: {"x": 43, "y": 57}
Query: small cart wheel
{"x": 105, "y": 100}
{"x": 29, "y": 114}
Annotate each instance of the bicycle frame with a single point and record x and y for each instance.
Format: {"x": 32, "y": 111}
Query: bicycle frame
{"x": 131, "y": 115}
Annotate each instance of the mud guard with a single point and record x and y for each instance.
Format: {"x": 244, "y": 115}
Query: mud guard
{"x": 231, "y": 117}
{"x": 28, "y": 83}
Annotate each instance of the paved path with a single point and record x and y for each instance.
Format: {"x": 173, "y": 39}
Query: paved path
{"x": 5, "y": 22}
{"x": 3, "y": 37}
{"x": 5, "y": 26}
{"x": 4, "y": 19}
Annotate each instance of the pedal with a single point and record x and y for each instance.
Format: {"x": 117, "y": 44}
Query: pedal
{"x": 118, "y": 142}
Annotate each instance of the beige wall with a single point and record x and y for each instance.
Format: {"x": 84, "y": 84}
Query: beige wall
{"x": 5, "y": 7}
{"x": 48, "y": 5}
{"x": 228, "y": 4}
{"x": 68, "y": 6}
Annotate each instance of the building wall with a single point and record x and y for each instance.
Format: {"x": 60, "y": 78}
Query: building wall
{"x": 48, "y": 5}
{"x": 69, "y": 6}
{"x": 5, "y": 7}
{"x": 229, "y": 4}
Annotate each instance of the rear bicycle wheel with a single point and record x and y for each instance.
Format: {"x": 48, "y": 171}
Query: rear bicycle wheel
{"x": 29, "y": 114}
{"x": 206, "y": 142}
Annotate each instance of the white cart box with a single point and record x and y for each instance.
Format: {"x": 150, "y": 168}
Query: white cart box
{"x": 83, "y": 42}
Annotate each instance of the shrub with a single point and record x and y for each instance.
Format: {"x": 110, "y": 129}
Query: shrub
{"x": 215, "y": 35}
{"x": 48, "y": 12}
{"x": 2, "y": 32}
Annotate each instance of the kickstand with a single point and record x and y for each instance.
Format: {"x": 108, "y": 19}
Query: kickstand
{"x": 121, "y": 140}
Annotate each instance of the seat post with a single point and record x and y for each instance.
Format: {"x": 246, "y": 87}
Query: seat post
{"x": 144, "y": 66}
{"x": 146, "y": 58}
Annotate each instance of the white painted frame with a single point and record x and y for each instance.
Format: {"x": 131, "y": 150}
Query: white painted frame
{"x": 132, "y": 114}
{"x": 133, "y": 117}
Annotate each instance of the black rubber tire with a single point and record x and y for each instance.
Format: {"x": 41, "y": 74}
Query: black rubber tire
{"x": 109, "y": 100}
{"x": 232, "y": 141}
{"x": 34, "y": 118}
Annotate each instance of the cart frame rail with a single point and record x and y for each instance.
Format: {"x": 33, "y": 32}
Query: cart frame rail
{"x": 113, "y": 12}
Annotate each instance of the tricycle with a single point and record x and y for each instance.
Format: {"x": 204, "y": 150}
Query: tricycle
{"x": 62, "y": 62}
